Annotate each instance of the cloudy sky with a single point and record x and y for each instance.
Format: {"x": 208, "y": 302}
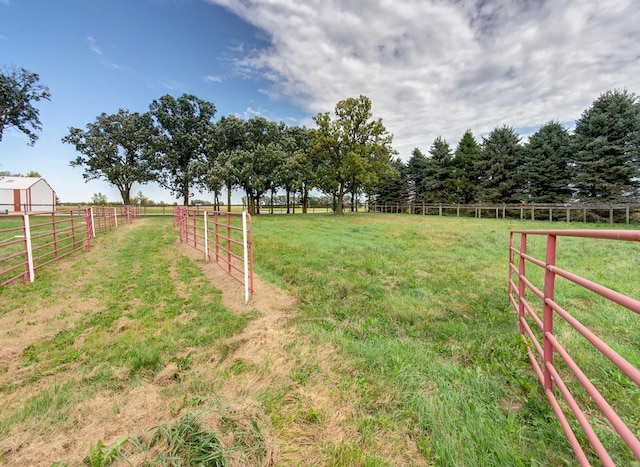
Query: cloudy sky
{"x": 430, "y": 68}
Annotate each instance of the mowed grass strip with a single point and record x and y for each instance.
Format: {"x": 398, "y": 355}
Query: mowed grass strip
{"x": 419, "y": 304}
{"x": 146, "y": 306}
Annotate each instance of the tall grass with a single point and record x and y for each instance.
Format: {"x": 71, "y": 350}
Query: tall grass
{"x": 421, "y": 302}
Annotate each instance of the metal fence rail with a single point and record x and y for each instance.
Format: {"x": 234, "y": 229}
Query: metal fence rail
{"x": 31, "y": 241}
{"x": 224, "y": 237}
{"x": 542, "y": 355}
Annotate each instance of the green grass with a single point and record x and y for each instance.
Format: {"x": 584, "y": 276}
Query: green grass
{"x": 139, "y": 288}
{"x": 422, "y": 303}
{"x": 416, "y": 308}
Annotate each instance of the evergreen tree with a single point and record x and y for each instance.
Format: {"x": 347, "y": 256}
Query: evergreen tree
{"x": 607, "y": 145}
{"x": 436, "y": 181}
{"x": 396, "y": 188}
{"x": 463, "y": 175}
{"x": 547, "y": 166}
{"x": 415, "y": 172}
{"x": 497, "y": 165}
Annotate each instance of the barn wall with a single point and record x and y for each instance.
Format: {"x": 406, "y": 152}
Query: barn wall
{"x": 42, "y": 197}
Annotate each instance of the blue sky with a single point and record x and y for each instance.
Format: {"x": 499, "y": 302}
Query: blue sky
{"x": 431, "y": 68}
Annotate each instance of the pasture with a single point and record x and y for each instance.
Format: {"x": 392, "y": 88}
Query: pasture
{"x": 372, "y": 340}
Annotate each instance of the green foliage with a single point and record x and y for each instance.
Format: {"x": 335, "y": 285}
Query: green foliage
{"x": 497, "y": 165}
{"x": 354, "y": 150}
{"x": 395, "y": 189}
{"x": 607, "y": 145}
{"x": 187, "y": 444}
{"x": 416, "y": 169}
{"x": 115, "y": 148}
{"x": 101, "y": 455}
{"x": 437, "y": 174}
{"x": 184, "y": 127}
{"x": 256, "y": 166}
{"x": 546, "y": 169}
{"x": 99, "y": 199}
{"x": 463, "y": 174}
{"x": 19, "y": 89}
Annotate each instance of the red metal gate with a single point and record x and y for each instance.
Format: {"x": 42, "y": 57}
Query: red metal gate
{"x": 543, "y": 356}
{"x": 225, "y": 237}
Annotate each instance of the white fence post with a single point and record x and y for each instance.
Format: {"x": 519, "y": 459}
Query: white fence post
{"x": 93, "y": 224}
{"x": 245, "y": 256}
{"x": 206, "y": 236}
{"x": 115, "y": 216}
{"x": 27, "y": 240}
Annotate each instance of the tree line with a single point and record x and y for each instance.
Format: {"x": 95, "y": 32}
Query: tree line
{"x": 180, "y": 146}
{"x": 598, "y": 162}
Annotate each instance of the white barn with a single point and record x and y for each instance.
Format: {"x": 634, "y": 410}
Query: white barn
{"x": 26, "y": 194}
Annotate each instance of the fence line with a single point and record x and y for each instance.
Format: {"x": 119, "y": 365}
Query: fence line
{"x": 36, "y": 240}
{"x": 29, "y": 241}
{"x": 225, "y": 237}
{"x": 543, "y": 357}
{"x": 552, "y": 212}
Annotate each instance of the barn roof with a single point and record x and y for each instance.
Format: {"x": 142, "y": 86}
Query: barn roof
{"x": 18, "y": 183}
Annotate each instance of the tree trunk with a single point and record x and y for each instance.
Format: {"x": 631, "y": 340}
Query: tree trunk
{"x": 340, "y": 199}
{"x": 251, "y": 207}
{"x": 305, "y": 200}
{"x": 228, "y": 197}
{"x": 288, "y": 202}
{"x": 125, "y": 197}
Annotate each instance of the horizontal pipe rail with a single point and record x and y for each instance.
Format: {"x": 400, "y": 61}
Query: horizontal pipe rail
{"x": 219, "y": 236}
{"x": 542, "y": 356}
{"x": 35, "y": 239}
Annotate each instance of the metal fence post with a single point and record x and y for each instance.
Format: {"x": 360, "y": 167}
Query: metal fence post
{"x": 547, "y": 311}
{"x": 521, "y": 284}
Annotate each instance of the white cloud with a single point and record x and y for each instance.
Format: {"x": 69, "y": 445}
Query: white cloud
{"x": 439, "y": 67}
{"x": 93, "y": 45}
{"x": 174, "y": 85}
{"x": 212, "y": 79}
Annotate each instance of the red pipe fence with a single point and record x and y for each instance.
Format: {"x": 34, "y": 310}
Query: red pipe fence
{"x": 29, "y": 241}
{"x": 543, "y": 356}
{"x": 225, "y": 237}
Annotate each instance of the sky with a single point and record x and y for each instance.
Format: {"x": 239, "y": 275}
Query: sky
{"x": 431, "y": 68}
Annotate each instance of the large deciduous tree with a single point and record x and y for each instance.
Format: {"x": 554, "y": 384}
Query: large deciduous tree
{"x": 230, "y": 136}
{"x": 607, "y": 145}
{"x": 546, "y": 171}
{"x": 257, "y": 163}
{"x": 354, "y": 149}
{"x": 185, "y": 127}
{"x": 497, "y": 164}
{"x": 19, "y": 89}
{"x": 296, "y": 173}
{"x": 114, "y": 148}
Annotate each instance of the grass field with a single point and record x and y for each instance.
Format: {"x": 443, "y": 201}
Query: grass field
{"x": 401, "y": 349}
